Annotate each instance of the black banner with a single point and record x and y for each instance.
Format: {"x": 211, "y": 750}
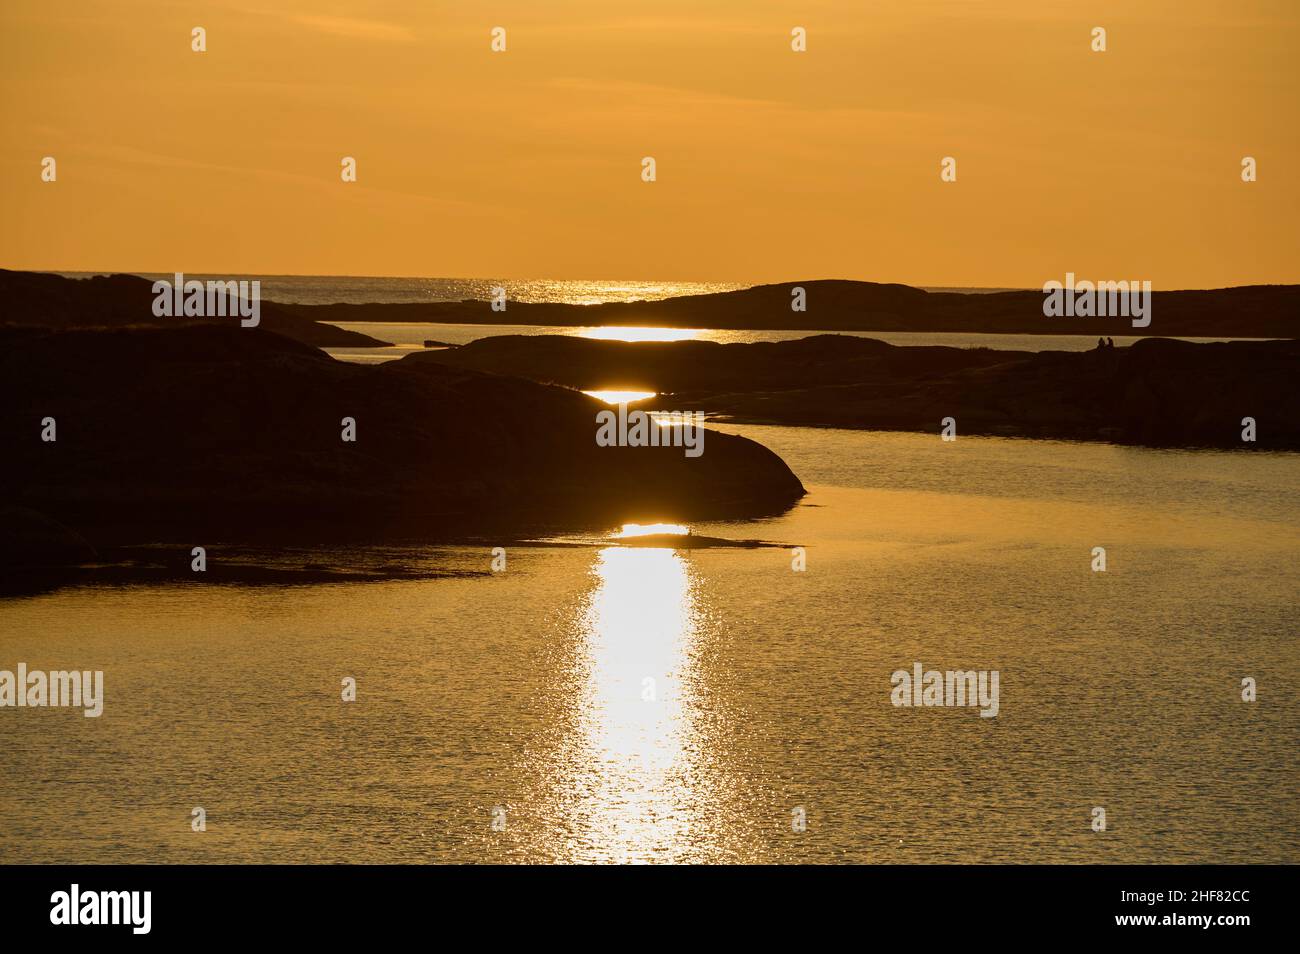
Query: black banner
{"x": 139, "y": 904}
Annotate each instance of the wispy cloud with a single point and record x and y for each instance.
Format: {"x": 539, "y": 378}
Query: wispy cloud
{"x": 356, "y": 28}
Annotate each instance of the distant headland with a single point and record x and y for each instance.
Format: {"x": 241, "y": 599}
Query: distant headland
{"x": 1254, "y": 311}
{"x": 1251, "y": 311}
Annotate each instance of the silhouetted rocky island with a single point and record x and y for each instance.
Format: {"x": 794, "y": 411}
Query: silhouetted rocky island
{"x": 38, "y": 299}
{"x": 203, "y": 433}
{"x": 1157, "y": 392}
{"x": 191, "y": 430}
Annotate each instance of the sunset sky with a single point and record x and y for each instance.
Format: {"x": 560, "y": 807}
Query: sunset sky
{"x": 772, "y": 165}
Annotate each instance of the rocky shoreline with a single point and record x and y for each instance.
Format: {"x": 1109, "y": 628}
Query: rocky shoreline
{"x": 1158, "y": 392}
{"x": 205, "y": 432}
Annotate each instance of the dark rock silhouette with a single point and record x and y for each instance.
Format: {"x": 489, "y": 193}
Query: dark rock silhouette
{"x": 36, "y": 299}
{"x": 1158, "y": 391}
{"x": 1260, "y": 311}
{"x": 31, "y": 539}
{"x": 216, "y": 432}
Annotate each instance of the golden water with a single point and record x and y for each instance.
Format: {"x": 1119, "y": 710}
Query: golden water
{"x": 526, "y": 691}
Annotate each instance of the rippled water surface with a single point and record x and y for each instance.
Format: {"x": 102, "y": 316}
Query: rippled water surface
{"x": 651, "y": 704}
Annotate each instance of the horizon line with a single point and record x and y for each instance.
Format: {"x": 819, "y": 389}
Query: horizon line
{"x": 739, "y": 285}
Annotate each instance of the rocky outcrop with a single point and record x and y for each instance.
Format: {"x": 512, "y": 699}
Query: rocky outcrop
{"x": 30, "y": 540}
{"x": 37, "y": 299}
{"x": 1157, "y": 392}
{"x": 198, "y": 432}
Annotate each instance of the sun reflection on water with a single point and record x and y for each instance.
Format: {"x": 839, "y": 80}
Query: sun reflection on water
{"x": 620, "y": 397}
{"x": 630, "y": 333}
{"x": 648, "y": 529}
{"x": 635, "y": 793}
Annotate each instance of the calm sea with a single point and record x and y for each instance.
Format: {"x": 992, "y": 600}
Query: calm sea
{"x": 360, "y": 290}
{"x": 606, "y": 703}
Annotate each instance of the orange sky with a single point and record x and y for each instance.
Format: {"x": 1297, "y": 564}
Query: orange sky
{"x": 772, "y": 165}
